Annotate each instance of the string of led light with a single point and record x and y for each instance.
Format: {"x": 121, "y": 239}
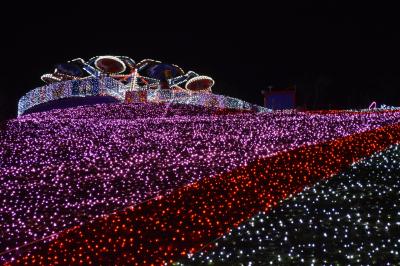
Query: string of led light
{"x": 170, "y": 148}
{"x": 169, "y": 227}
{"x": 353, "y": 218}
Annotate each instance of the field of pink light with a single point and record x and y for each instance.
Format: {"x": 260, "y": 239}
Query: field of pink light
{"x": 64, "y": 167}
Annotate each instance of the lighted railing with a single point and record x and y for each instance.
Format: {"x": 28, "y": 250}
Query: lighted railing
{"x": 72, "y": 88}
{"x": 106, "y": 86}
{"x": 219, "y": 101}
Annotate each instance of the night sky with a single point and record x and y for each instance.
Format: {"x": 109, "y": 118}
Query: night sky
{"x": 338, "y": 56}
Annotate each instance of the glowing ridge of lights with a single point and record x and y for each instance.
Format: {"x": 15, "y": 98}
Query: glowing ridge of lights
{"x": 218, "y": 101}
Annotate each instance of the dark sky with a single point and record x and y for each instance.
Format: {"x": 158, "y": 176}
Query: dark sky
{"x": 349, "y": 54}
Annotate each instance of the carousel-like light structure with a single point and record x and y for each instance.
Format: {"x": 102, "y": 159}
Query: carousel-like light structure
{"x": 123, "y": 79}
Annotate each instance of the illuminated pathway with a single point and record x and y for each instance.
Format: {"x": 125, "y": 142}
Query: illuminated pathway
{"x": 353, "y": 218}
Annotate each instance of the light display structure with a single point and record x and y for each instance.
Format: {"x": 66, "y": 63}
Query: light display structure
{"x": 125, "y": 80}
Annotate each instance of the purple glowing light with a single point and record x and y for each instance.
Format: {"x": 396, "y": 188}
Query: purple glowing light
{"x": 64, "y": 167}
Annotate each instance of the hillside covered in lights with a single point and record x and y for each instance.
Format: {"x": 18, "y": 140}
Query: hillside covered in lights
{"x": 118, "y": 162}
{"x": 144, "y": 183}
